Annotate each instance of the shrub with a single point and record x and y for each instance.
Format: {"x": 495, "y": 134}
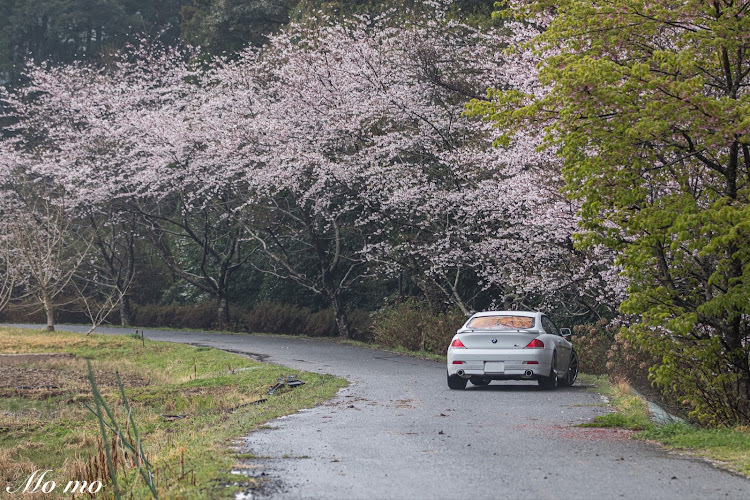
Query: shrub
{"x": 705, "y": 374}
{"x": 23, "y": 313}
{"x": 202, "y": 316}
{"x": 360, "y": 325}
{"x": 603, "y": 350}
{"x": 321, "y": 324}
{"x": 266, "y": 317}
{"x": 414, "y": 326}
{"x": 592, "y": 343}
{"x": 273, "y": 317}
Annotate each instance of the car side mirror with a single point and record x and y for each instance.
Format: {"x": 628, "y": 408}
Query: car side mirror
{"x": 566, "y": 332}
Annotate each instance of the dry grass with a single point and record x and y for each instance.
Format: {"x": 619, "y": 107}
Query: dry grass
{"x": 188, "y": 402}
{"x": 13, "y": 470}
{"x": 622, "y": 387}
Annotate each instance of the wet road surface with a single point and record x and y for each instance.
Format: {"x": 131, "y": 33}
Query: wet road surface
{"x": 398, "y": 432}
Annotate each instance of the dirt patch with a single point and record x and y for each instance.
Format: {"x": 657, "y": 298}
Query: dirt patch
{"x": 40, "y": 375}
{"x": 580, "y": 433}
{"x": 31, "y": 357}
{"x": 403, "y": 403}
{"x": 593, "y": 433}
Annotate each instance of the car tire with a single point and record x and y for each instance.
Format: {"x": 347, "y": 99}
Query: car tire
{"x": 572, "y": 374}
{"x": 456, "y": 382}
{"x": 551, "y": 381}
{"x": 479, "y": 381}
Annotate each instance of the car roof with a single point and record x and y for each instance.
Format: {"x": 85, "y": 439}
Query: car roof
{"x": 507, "y": 313}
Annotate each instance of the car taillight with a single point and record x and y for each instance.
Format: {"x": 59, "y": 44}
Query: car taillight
{"x": 458, "y": 362}
{"x": 535, "y": 344}
{"x": 458, "y": 343}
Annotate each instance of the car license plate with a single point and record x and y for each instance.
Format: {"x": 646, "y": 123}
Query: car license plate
{"x": 494, "y": 367}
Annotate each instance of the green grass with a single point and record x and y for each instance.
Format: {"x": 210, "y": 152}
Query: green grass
{"x": 728, "y": 447}
{"x": 213, "y": 391}
{"x": 631, "y": 412}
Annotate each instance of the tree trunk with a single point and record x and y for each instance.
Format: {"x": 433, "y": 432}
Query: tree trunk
{"x": 126, "y": 313}
{"x": 342, "y": 325}
{"x": 222, "y": 311}
{"x": 49, "y": 310}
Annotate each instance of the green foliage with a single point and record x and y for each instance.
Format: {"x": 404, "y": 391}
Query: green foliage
{"x": 475, "y": 12}
{"x": 414, "y": 326}
{"x": 648, "y": 110}
{"x": 346, "y": 8}
{"x": 696, "y": 373}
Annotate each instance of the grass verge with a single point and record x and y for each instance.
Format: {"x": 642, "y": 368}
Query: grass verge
{"x": 726, "y": 447}
{"x": 189, "y": 404}
{"x": 631, "y": 412}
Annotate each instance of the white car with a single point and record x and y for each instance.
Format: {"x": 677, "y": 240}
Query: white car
{"x": 511, "y": 345}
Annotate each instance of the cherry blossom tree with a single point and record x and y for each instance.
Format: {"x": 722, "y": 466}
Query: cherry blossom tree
{"x": 335, "y": 154}
{"x": 8, "y": 270}
{"x": 127, "y": 140}
{"x": 372, "y": 114}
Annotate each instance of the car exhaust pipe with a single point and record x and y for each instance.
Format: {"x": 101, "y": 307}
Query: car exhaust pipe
{"x": 460, "y": 373}
{"x": 528, "y": 373}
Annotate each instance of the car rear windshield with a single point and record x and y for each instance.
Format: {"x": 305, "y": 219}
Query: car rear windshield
{"x": 501, "y": 322}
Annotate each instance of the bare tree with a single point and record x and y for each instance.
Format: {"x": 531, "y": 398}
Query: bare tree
{"x": 49, "y": 249}
{"x": 98, "y": 307}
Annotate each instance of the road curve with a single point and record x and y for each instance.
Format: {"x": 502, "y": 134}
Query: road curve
{"x": 398, "y": 432}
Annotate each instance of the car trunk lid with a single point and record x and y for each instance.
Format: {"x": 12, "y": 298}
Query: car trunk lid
{"x": 494, "y": 339}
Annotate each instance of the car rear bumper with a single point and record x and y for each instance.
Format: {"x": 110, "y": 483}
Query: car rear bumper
{"x": 499, "y": 364}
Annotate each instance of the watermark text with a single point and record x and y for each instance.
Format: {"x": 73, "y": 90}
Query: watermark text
{"x": 38, "y": 482}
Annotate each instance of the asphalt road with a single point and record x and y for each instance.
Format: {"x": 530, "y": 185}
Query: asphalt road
{"x": 398, "y": 432}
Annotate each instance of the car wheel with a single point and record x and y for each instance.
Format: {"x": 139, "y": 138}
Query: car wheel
{"x": 479, "y": 381}
{"x": 551, "y": 381}
{"x": 456, "y": 382}
{"x": 572, "y": 374}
